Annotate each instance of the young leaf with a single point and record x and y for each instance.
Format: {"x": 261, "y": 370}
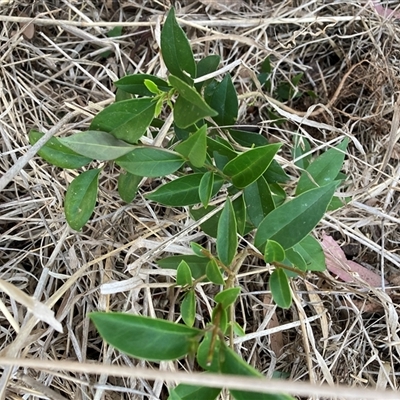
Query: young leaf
{"x": 206, "y": 188}
{"x": 213, "y": 273}
{"x": 128, "y": 185}
{"x": 188, "y": 308}
{"x": 196, "y": 264}
{"x": 183, "y": 191}
{"x": 312, "y": 253}
{"x": 176, "y": 50}
{"x": 194, "y": 148}
{"x": 227, "y": 240}
{"x": 250, "y": 165}
{"x": 259, "y": 201}
{"x": 150, "y": 162}
{"x": 324, "y": 169}
{"x": 183, "y": 274}
{"x": 134, "y": 84}
{"x": 126, "y": 120}
{"x": 57, "y": 154}
{"x": 273, "y": 252}
{"x": 97, "y": 145}
{"x": 227, "y": 297}
{"x": 146, "y": 338}
{"x": 222, "y": 97}
{"x": 80, "y": 198}
{"x": 232, "y": 364}
{"x": 293, "y": 221}
{"x": 198, "y": 250}
{"x": 280, "y": 289}
{"x": 188, "y": 392}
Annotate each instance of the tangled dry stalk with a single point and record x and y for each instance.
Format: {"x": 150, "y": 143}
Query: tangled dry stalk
{"x": 55, "y": 72}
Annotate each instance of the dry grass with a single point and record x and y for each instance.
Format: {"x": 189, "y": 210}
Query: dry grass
{"x": 54, "y": 71}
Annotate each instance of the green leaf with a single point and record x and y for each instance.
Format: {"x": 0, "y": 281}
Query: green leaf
{"x": 210, "y": 226}
{"x": 196, "y": 264}
{"x": 323, "y": 169}
{"x": 213, "y": 273}
{"x": 249, "y": 166}
{"x": 296, "y": 259}
{"x": 239, "y": 331}
{"x": 146, "y": 338}
{"x": 135, "y": 84}
{"x": 232, "y": 364}
{"x": 188, "y": 392}
{"x": 247, "y": 138}
{"x": 188, "y": 308}
{"x": 273, "y": 252}
{"x": 275, "y": 173}
{"x": 121, "y": 95}
{"x": 54, "y": 152}
{"x": 126, "y": 120}
{"x": 194, "y": 148}
{"x": 227, "y": 297}
{"x": 128, "y": 185}
{"x": 206, "y": 188}
{"x": 312, "y": 253}
{"x": 97, "y": 145}
{"x": 222, "y": 97}
{"x": 207, "y": 357}
{"x": 239, "y": 208}
{"x": 219, "y": 318}
{"x": 280, "y": 289}
{"x": 175, "y": 48}
{"x": 182, "y": 191}
{"x": 227, "y": 240}
{"x": 293, "y": 221}
{"x": 259, "y": 201}
{"x": 150, "y": 162}
{"x": 80, "y": 198}
{"x": 183, "y": 274}
{"x": 301, "y": 146}
{"x": 198, "y": 250}
{"x": 206, "y": 66}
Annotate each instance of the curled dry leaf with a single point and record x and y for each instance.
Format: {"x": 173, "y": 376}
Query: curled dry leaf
{"x": 346, "y": 270}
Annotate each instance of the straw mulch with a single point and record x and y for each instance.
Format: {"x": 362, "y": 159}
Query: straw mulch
{"x": 56, "y": 69}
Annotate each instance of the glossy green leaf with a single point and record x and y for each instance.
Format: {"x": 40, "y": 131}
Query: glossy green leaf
{"x": 296, "y": 259}
{"x": 126, "y": 120}
{"x": 311, "y": 251}
{"x": 273, "y": 252}
{"x": 194, "y": 148}
{"x": 135, "y": 84}
{"x": 239, "y": 207}
{"x": 128, "y": 185}
{"x": 259, "y": 201}
{"x": 196, "y": 264}
{"x": 206, "y": 66}
{"x": 227, "y": 297}
{"x": 54, "y": 152}
{"x": 188, "y": 392}
{"x": 121, "y": 95}
{"x": 146, "y": 338}
{"x": 150, "y": 162}
{"x": 214, "y": 146}
{"x": 97, "y": 145}
{"x": 247, "y": 138}
{"x": 293, "y": 221}
{"x": 222, "y": 97}
{"x": 227, "y": 241}
{"x": 80, "y": 198}
{"x": 210, "y": 226}
{"x": 206, "y": 188}
{"x": 249, "y": 166}
{"x": 198, "y": 250}
{"x": 280, "y": 289}
{"x": 208, "y": 353}
{"x": 275, "y": 173}
{"x": 175, "y": 48}
{"x": 183, "y": 191}
{"x": 232, "y": 364}
{"x": 183, "y": 274}
{"x": 213, "y": 273}
{"x": 188, "y": 308}
{"x": 323, "y": 169}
